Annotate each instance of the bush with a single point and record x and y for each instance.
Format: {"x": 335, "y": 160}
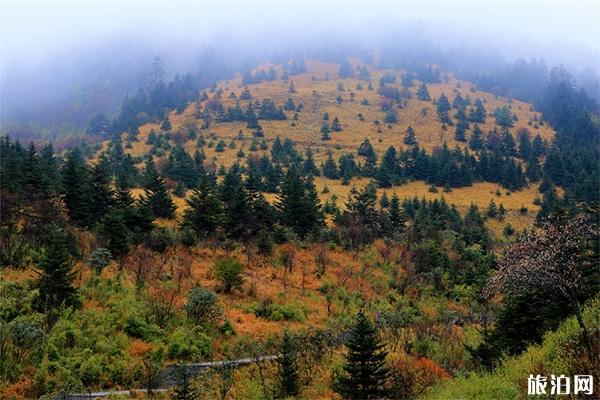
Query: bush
{"x": 202, "y": 305}
{"x": 159, "y": 239}
{"x": 229, "y": 272}
{"x": 278, "y": 312}
{"x": 186, "y": 345}
{"x": 99, "y": 259}
{"x": 136, "y": 326}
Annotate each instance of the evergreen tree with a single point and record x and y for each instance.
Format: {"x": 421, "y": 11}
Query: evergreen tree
{"x": 114, "y": 230}
{"x": 396, "y": 215}
{"x": 184, "y": 389}
{"x": 237, "y": 205}
{"x": 77, "y": 189}
{"x": 102, "y": 195}
{"x": 476, "y": 142}
{"x": 156, "y": 196}
{"x": 55, "y": 282}
{"x": 345, "y": 70}
{"x": 443, "y": 107}
{"x": 478, "y": 114}
{"x": 166, "y": 125}
{"x": 203, "y": 212}
{"x": 423, "y": 93}
{"x": 524, "y": 145}
{"x": 410, "y": 138}
{"x": 289, "y": 382}
{"x": 365, "y": 370}
{"x": 335, "y": 124}
{"x": 298, "y": 204}
{"x": 504, "y": 117}
{"x": 309, "y": 167}
{"x": 330, "y": 169}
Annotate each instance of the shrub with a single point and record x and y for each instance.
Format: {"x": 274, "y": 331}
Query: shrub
{"x": 202, "y": 305}
{"x": 186, "y": 345}
{"x": 99, "y": 259}
{"x": 229, "y": 272}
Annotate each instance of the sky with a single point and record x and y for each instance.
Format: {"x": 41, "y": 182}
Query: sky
{"x": 48, "y": 48}
{"x": 30, "y": 30}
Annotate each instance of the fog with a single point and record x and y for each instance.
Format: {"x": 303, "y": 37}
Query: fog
{"x": 52, "y": 51}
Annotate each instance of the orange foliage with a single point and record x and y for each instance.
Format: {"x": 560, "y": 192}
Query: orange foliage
{"x": 20, "y": 390}
{"x": 138, "y": 347}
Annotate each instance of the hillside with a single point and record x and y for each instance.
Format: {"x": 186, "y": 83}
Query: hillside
{"x": 317, "y": 90}
{"x": 282, "y": 213}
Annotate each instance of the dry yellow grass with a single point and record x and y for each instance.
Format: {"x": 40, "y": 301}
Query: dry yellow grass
{"x": 317, "y": 89}
{"x": 319, "y": 96}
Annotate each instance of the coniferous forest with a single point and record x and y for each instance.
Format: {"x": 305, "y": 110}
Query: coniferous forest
{"x": 380, "y": 215}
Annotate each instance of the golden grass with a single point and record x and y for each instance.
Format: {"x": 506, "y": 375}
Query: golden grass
{"x": 317, "y": 89}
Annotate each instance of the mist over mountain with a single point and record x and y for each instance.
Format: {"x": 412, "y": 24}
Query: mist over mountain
{"x": 82, "y": 60}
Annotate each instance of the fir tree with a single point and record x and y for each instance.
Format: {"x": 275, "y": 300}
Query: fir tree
{"x": 102, "y": 194}
{"x": 410, "y": 138}
{"x": 55, "y": 282}
{"x": 184, "y": 389}
{"x": 477, "y": 114}
{"x": 330, "y": 169}
{"x": 288, "y": 375}
{"x": 442, "y": 109}
{"x": 335, "y": 124}
{"x": 156, "y": 196}
{"x": 77, "y": 189}
{"x": 396, "y": 215}
{"x": 345, "y": 70}
{"x": 203, "y": 212}
{"x": 115, "y": 231}
{"x": 423, "y": 93}
{"x": 476, "y": 142}
{"x": 298, "y": 204}
{"x": 365, "y": 370}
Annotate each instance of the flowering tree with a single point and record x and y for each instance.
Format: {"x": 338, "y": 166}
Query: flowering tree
{"x": 555, "y": 258}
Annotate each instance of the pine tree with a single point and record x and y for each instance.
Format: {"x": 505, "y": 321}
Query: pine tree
{"x": 237, "y": 208}
{"x": 77, "y": 189}
{"x": 345, "y": 70}
{"x": 335, "y": 124}
{"x": 203, "y": 213}
{"x": 166, "y": 125}
{"x": 289, "y": 382}
{"x": 442, "y": 109}
{"x": 156, "y": 196}
{"x": 524, "y": 145}
{"x": 477, "y": 114}
{"x": 298, "y": 204}
{"x": 184, "y": 389}
{"x": 365, "y": 370}
{"x": 55, "y": 282}
{"x": 423, "y": 93}
{"x": 396, "y": 215}
{"x": 410, "y": 138}
{"x": 115, "y": 231}
{"x": 101, "y": 192}
{"x": 476, "y": 142}
{"x": 330, "y": 169}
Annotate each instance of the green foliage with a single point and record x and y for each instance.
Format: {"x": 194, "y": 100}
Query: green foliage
{"x": 288, "y": 375}
{"x": 55, "y": 282}
{"x": 365, "y": 372}
{"x": 278, "y": 312}
{"x": 229, "y": 272}
{"x": 202, "y": 305}
{"x": 99, "y": 259}
{"x": 185, "y": 345}
{"x": 156, "y": 196}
